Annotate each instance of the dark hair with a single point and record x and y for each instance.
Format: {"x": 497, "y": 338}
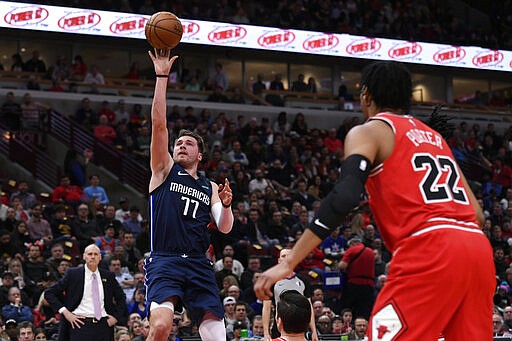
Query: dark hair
{"x": 25, "y": 324}
{"x": 199, "y": 139}
{"x": 389, "y": 85}
{"x": 294, "y": 310}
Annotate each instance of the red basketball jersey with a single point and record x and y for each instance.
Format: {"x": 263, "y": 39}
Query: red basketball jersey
{"x": 419, "y": 185}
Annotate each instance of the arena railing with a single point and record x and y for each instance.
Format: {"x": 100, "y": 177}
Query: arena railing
{"x": 118, "y": 162}
{"x": 21, "y": 147}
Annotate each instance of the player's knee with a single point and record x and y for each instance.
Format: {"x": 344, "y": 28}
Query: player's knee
{"x": 160, "y": 326}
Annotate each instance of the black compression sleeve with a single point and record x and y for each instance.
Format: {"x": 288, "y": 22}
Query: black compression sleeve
{"x": 343, "y": 197}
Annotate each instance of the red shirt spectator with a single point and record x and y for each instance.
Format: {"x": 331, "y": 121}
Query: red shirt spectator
{"x": 66, "y": 192}
{"x": 313, "y": 260}
{"x": 107, "y": 111}
{"x": 359, "y": 261}
{"x": 501, "y": 173}
{"x": 333, "y": 144}
{"x": 104, "y": 132}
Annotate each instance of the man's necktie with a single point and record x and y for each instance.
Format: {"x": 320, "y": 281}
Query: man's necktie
{"x": 96, "y": 297}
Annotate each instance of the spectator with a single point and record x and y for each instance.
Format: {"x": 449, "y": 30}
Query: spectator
{"x": 132, "y": 252}
{"x": 278, "y": 230}
{"x": 193, "y": 84}
{"x": 78, "y": 69}
{"x": 74, "y": 168}
{"x": 84, "y": 229}
{"x": 133, "y": 224}
{"x": 227, "y": 269}
{"x": 240, "y": 317}
{"x": 56, "y": 86}
{"x": 257, "y": 327}
{"x": 106, "y": 110}
{"x": 237, "y": 96}
{"x": 94, "y": 190}
{"x": 94, "y": 76}
{"x": 324, "y": 325}
{"x": 142, "y": 143}
{"x": 299, "y": 85}
{"x": 121, "y": 114}
{"x": 31, "y": 112}
{"x": 218, "y": 96}
{"x": 26, "y": 331}
{"x": 86, "y": 116}
{"x": 38, "y": 227}
{"x": 57, "y": 256}
{"x": 107, "y": 243}
{"x": 123, "y": 277}
{"x": 109, "y": 218}
{"x": 281, "y": 124}
{"x": 333, "y": 144}
{"x": 33, "y": 83}
{"x": 59, "y": 71}
{"x": 259, "y": 182}
{"x": 360, "y": 277}
{"x": 104, "y": 132}
{"x": 236, "y": 154}
{"x": 19, "y": 237}
{"x": 123, "y": 213}
{"x": 259, "y": 85}
{"x": 345, "y": 94}
{"x": 35, "y": 270}
{"x": 17, "y": 63}
{"x": 133, "y": 73}
{"x": 478, "y": 99}
{"x": 35, "y": 64}
{"x": 66, "y": 193}
{"x": 311, "y": 86}
{"x": 300, "y": 125}
{"x": 15, "y": 309}
{"x": 347, "y": 326}
{"x": 237, "y": 268}
{"x": 28, "y": 199}
{"x": 302, "y": 196}
{"x": 229, "y": 310}
{"x": 11, "y": 112}
{"x": 220, "y": 78}
{"x": 360, "y": 327}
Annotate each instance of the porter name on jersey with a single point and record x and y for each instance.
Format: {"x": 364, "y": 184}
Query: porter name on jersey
{"x": 180, "y": 188}
{"x": 418, "y": 136}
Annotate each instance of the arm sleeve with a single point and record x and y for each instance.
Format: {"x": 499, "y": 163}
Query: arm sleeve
{"x": 345, "y": 195}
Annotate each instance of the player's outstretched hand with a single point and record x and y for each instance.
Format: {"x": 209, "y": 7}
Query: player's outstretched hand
{"x": 161, "y": 61}
{"x": 225, "y": 193}
{"x": 262, "y": 288}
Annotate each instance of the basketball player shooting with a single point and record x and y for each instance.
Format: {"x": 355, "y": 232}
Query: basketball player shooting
{"x": 182, "y": 204}
{"x": 442, "y": 278}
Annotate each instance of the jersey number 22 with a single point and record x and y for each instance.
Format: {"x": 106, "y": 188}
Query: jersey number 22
{"x": 431, "y": 188}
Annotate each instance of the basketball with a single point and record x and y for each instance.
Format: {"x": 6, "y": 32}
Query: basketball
{"x": 163, "y": 30}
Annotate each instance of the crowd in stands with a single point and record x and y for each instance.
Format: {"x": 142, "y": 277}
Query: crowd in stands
{"x": 279, "y": 172}
{"x": 426, "y": 20}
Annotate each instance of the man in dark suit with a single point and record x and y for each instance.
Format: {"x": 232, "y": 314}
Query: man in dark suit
{"x": 90, "y": 300}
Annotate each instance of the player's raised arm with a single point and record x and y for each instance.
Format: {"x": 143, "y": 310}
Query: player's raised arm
{"x": 161, "y": 160}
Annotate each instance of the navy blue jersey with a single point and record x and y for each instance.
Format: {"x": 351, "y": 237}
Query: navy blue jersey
{"x": 180, "y": 213}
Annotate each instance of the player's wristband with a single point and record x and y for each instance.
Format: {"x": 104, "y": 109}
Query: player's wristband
{"x": 223, "y": 204}
{"x": 162, "y": 76}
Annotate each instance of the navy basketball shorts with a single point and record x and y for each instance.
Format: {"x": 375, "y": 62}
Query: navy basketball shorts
{"x": 192, "y": 279}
